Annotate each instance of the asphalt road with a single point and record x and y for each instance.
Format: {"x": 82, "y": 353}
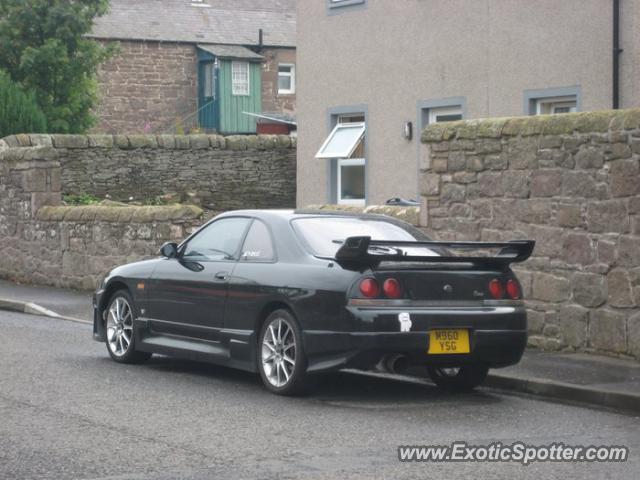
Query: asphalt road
{"x": 68, "y": 411}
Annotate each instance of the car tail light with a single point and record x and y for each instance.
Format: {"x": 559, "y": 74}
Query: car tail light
{"x": 496, "y": 289}
{"x": 513, "y": 290}
{"x": 392, "y": 288}
{"x": 369, "y": 288}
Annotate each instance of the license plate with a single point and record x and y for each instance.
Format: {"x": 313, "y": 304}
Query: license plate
{"x": 448, "y": 342}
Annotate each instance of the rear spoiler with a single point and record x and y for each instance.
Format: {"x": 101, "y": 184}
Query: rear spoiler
{"x": 355, "y": 252}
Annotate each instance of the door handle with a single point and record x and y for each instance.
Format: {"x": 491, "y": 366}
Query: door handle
{"x": 222, "y": 276}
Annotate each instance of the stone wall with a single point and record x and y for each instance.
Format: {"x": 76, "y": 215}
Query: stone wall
{"x": 221, "y": 173}
{"x": 572, "y": 183}
{"x": 147, "y": 87}
{"x": 43, "y": 242}
{"x": 74, "y": 247}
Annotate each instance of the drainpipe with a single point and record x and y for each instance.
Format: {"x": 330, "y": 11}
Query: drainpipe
{"x": 616, "y": 54}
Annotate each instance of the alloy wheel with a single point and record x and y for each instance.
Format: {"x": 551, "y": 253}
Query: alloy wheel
{"x": 119, "y": 326}
{"x": 278, "y": 352}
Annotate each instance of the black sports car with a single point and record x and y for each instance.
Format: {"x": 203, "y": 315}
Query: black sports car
{"x": 288, "y": 294}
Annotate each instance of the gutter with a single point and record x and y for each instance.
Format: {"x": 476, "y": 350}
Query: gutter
{"x": 617, "y": 51}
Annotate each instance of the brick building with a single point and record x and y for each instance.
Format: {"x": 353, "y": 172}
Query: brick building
{"x": 196, "y": 64}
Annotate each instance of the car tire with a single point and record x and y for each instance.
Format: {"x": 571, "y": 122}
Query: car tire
{"x": 119, "y": 328}
{"x": 280, "y": 354}
{"x": 460, "y": 379}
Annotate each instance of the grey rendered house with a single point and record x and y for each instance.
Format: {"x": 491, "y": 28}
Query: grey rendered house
{"x": 373, "y": 73}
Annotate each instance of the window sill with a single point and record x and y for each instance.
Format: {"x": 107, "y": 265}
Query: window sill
{"x": 344, "y": 3}
{"x": 352, "y": 203}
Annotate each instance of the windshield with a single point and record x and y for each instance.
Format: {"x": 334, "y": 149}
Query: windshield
{"x": 324, "y": 235}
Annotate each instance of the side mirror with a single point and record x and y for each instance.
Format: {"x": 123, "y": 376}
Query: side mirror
{"x": 169, "y": 250}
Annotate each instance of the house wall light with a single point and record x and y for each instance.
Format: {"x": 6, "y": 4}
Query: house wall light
{"x": 407, "y": 130}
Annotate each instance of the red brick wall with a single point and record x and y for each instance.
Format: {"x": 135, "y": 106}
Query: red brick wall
{"x": 147, "y": 87}
{"x": 271, "y": 101}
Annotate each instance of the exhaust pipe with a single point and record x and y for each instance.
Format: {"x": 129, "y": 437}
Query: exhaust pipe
{"x": 395, "y": 363}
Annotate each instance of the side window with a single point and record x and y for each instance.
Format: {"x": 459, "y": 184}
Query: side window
{"x": 258, "y": 246}
{"x": 218, "y": 241}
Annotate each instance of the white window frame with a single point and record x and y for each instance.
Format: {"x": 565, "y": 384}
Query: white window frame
{"x": 238, "y": 87}
{"x": 349, "y": 162}
{"x": 292, "y": 76}
{"x": 435, "y": 112}
{"x": 570, "y": 101}
{"x": 359, "y": 127}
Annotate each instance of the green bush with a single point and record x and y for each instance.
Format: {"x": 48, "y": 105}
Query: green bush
{"x": 80, "y": 199}
{"x": 19, "y": 111}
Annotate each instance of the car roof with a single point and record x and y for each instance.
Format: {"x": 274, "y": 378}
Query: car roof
{"x": 290, "y": 214}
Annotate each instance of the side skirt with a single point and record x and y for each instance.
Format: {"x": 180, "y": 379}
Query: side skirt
{"x": 233, "y": 348}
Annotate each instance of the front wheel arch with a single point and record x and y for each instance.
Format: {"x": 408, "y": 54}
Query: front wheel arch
{"x": 112, "y": 288}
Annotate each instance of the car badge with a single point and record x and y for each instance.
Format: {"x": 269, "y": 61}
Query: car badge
{"x": 405, "y": 322}
{"x": 448, "y": 288}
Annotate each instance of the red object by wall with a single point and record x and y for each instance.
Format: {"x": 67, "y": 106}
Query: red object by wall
{"x": 273, "y": 128}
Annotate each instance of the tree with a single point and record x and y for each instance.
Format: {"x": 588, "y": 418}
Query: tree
{"x": 19, "y": 111}
{"x": 43, "y": 46}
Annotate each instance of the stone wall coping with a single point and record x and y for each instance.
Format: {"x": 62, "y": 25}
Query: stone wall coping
{"x": 406, "y": 213}
{"x": 566, "y": 124}
{"x": 130, "y": 142}
{"x": 115, "y": 214}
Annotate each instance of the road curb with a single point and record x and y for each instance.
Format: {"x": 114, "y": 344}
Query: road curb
{"x": 543, "y": 387}
{"x": 539, "y": 387}
{"x": 35, "y": 309}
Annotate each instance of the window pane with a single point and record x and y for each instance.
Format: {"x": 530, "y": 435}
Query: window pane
{"x": 558, "y": 105}
{"x": 284, "y": 83}
{"x": 209, "y": 80}
{"x": 448, "y": 118}
{"x": 351, "y": 119}
{"x": 342, "y": 141}
{"x": 352, "y": 182}
{"x": 218, "y": 241}
{"x": 284, "y": 69}
{"x": 257, "y": 246}
{"x": 323, "y": 234}
{"x": 240, "y": 78}
{"x": 445, "y": 114}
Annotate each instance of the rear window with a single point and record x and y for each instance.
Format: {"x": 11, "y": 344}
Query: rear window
{"x": 324, "y": 235}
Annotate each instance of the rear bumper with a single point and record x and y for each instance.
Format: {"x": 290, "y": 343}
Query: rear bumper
{"x": 497, "y": 337}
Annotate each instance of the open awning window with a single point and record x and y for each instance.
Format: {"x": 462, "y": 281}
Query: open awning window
{"x": 342, "y": 141}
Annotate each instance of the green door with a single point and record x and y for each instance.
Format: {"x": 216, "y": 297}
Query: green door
{"x": 240, "y": 87}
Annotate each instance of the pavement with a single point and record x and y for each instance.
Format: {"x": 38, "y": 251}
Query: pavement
{"x": 69, "y": 412}
{"x": 579, "y": 378}
{"x": 66, "y": 303}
